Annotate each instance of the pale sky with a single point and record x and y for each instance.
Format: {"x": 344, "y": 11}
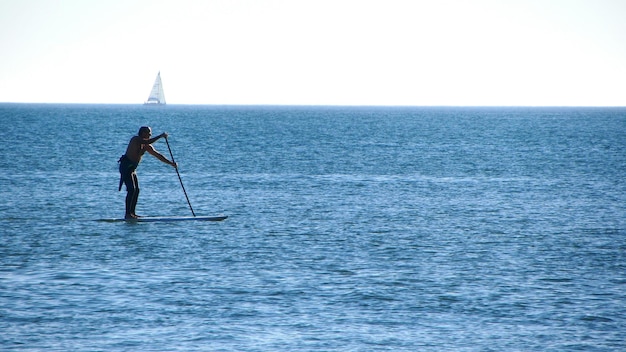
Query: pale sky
{"x": 315, "y": 52}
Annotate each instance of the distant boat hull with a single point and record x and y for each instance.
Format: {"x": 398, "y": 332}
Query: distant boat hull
{"x": 153, "y": 103}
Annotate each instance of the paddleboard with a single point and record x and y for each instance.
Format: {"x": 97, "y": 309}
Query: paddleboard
{"x": 169, "y": 219}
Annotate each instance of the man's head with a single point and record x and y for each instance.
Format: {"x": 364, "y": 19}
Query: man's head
{"x": 145, "y": 132}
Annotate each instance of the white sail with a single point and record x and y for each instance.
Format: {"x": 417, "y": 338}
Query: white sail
{"x": 157, "y": 97}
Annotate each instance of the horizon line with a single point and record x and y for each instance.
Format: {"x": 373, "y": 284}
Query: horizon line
{"x": 330, "y": 105}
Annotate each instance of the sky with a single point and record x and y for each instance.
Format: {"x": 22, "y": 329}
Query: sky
{"x": 315, "y": 52}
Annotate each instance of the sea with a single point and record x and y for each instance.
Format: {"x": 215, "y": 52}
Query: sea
{"x": 349, "y": 229}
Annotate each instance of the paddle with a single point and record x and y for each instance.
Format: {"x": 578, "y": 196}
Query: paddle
{"x": 179, "y": 179}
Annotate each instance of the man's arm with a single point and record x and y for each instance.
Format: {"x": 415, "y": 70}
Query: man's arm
{"x": 150, "y": 149}
{"x": 154, "y": 139}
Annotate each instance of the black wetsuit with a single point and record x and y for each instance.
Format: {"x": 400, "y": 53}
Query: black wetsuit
{"x": 129, "y": 178}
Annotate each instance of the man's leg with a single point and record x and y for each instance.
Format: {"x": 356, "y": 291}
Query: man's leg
{"x": 132, "y": 188}
{"x": 135, "y": 194}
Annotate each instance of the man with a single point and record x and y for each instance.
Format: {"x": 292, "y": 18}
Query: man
{"x": 137, "y": 146}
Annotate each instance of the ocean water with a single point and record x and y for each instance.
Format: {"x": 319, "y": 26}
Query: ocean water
{"x": 349, "y": 229}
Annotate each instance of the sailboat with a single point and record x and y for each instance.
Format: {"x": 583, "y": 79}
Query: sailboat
{"x": 157, "y": 97}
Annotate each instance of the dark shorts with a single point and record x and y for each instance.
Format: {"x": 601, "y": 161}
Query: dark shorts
{"x": 127, "y": 168}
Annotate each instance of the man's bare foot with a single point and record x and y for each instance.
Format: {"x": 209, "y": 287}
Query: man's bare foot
{"x": 130, "y": 216}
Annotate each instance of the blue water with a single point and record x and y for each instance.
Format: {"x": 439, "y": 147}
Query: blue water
{"x": 350, "y": 228}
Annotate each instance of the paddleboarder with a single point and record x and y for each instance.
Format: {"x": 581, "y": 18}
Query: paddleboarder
{"x": 137, "y": 146}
